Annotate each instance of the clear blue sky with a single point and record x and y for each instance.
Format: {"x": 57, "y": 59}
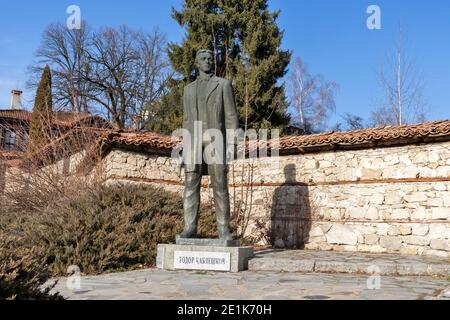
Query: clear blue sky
{"x": 330, "y": 35}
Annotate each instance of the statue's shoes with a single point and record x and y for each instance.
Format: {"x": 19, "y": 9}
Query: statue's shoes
{"x": 226, "y": 235}
{"x": 188, "y": 235}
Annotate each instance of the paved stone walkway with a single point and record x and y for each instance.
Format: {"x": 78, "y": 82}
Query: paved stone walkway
{"x": 156, "y": 284}
{"x": 348, "y": 262}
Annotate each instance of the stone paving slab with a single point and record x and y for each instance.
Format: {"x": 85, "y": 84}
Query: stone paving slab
{"x": 348, "y": 262}
{"x": 156, "y": 284}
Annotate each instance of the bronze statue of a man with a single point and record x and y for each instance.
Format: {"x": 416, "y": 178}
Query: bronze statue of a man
{"x": 209, "y": 106}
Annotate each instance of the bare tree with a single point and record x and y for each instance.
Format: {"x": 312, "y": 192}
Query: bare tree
{"x": 117, "y": 72}
{"x": 312, "y": 97}
{"x": 350, "y": 122}
{"x": 404, "y": 101}
{"x": 65, "y": 51}
{"x": 153, "y": 73}
{"x": 128, "y": 73}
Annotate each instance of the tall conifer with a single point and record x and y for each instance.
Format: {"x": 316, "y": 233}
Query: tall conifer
{"x": 247, "y": 41}
{"x": 41, "y": 118}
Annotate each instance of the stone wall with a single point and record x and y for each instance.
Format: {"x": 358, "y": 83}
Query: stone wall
{"x": 15, "y": 179}
{"x": 392, "y": 199}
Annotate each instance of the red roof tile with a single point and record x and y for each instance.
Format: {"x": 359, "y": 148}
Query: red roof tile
{"x": 61, "y": 117}
{"x": 147, "y": 139}
{"x": 105, "y": 139}
{"x": 383, "y": 136}
{"x": 15, "y": 114}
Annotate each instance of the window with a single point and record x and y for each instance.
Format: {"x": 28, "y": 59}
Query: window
{"x": 10, "y": 140}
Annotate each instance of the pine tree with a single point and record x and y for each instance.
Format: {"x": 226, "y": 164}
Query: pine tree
{"x": 41, "y": 118}
{"x": 246, "y": 39}
{"x": 168, "y": 115}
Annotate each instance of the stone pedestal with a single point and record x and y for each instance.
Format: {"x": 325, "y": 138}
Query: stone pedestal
{"x": 203, "y": 254}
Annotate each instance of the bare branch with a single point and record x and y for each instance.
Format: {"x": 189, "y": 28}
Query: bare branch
{"x": 404, "y": 101}
{"x": 312, "y": 97}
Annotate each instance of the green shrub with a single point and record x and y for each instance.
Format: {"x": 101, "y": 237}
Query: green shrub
{"x": 22, "y": 272}
{"x": 112, "y": 229}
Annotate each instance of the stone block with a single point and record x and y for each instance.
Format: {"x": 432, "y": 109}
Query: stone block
{"x": 311, "y": 164}
{"x": 316, "y": 232}
{"x": 391, "y": 159}
{"x": 446, "y": 197}
{"x": 377, "y": 199}
{"x": 371, "y": 248}
{"x": 419, "y": 214}
{"x": 424, "y": 187}
{"x": 439, "y": 231}
{"x": 409, "y": 250}
{"x": 393, "y": 231}
{"x": 440, "y": 213}
{"x": 438, "y": 244}
{"x": 208, "y": 258}
{"x": 420, "y": 229}
{"x": 417, "y": 240}
{"x": 325, "y": 164}
{"x": 356, "y": 213}
{"x": 370, "y": 174}
{"x": 393, "y": 199}
{"x": 416, "y": 197}
{"x": 437, "y": 253}
{"x": 391, "y": 243}
{"x": 405, "y": 230}
{"x": 341, "y": 234}
{"x": 371, "y": 239}
{"x": 400, "y": 214}
{"x": 435, "y": 202}
{"x": 440, "y": 187}
{"x": 443, "y": 171}
{"x": 382, "y": 229}
{"x": 334, "y": 214}
{"x": 433, "y": 156}
{"x": 372, "y": 214}
{"x": 408, "y": 172}
{"x": 326, "y": 226}
{"x": 364, "y": 229}
{"x": 421, "y": 157}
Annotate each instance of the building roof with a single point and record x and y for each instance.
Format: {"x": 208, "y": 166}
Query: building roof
{"x": 146, "y": 139}
{"x": 373, "y": 137}
{"x": 97, "y": 142}
{"x": 62, "y": 118}
{"x": 15, "y": 114}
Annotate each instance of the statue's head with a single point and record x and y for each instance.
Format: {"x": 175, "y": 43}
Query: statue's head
{"x": 204, "y": 60}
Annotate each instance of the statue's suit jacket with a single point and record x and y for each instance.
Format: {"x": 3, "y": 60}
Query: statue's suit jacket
{"x": 221, "y": 115}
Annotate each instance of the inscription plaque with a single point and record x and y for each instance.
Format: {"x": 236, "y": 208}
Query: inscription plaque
{"x": 198, "y": 260}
